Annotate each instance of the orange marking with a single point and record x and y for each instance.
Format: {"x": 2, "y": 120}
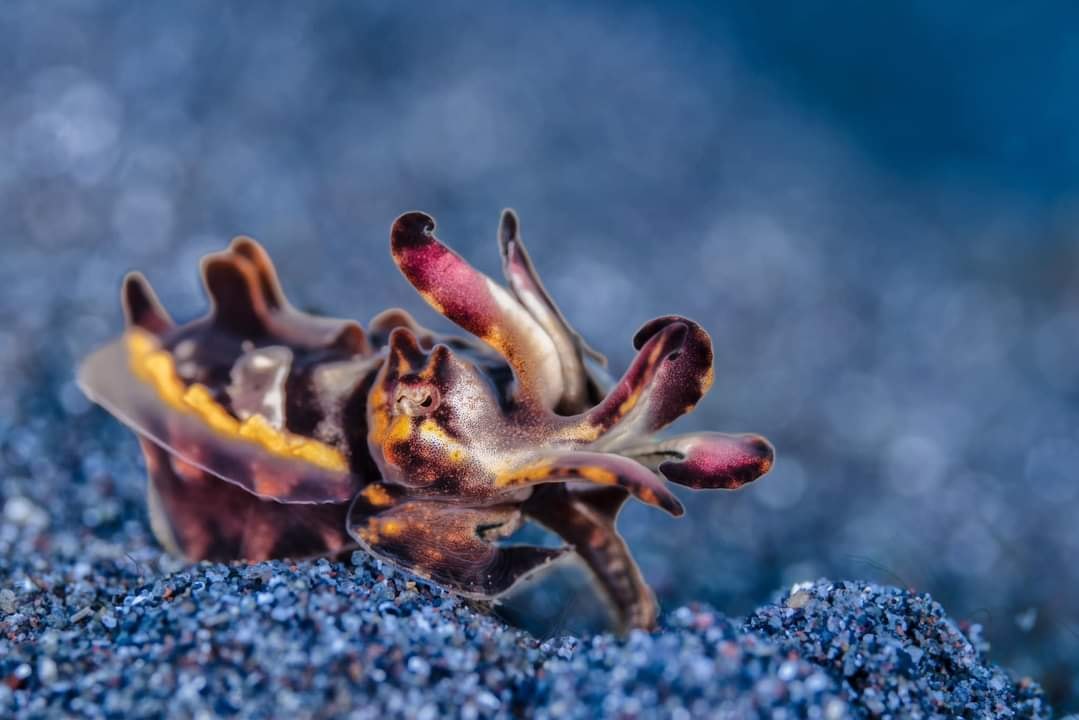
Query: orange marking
{"x": 270, "y": 485}
{"x": 379, "y": 424}
{"x": 377, "y": 495}
{"x": 155, "y": 366}
{"x": 532, "y": 473}
{"x": 400, "y": 430}
{"x": 585, "y": 432}
{"x": 629, "y": 403}
{"x": 598, "y": 475}
{"x": 187, "y": 471}
{"x": 431, "y": 431}
{"x": 199, "y": 398}
{"x": 257, "y": 429}
{"x": 317, "y": 453}
{"x": 139, "y": 342}
{"x": 635, "y": 395}
{"x": 434, "y": 431}
{"x": 158, "y": 369}
{"x": 706, "y": 381}
{"x": 654, "y": 355}
{"x": 493, "y": 337}
{"x": 427, "y": 296}
{"x": 765, "y": 466}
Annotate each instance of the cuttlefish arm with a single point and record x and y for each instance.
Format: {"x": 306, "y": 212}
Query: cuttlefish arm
{"x": 707, "y": 460}
{"x": 525, "y": 283}
{"x": 586, "y": 520}
{"x": 481, "y": 306}
{"x": 670, "y": 373}
{"x": 596, "y": 470}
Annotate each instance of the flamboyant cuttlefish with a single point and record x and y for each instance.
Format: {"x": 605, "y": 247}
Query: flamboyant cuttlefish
{"x": 269, "y": 432}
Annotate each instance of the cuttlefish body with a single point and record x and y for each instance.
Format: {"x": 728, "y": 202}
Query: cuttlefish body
{"x": 269, "y": 432}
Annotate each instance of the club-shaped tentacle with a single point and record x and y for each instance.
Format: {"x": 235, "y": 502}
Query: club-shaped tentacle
{"x": 594, "y": 469}
{"x": 450, "y": 544}
{"x": 585, "y": 518}
{"x": 525, "y": 283}
{"x": 141, "y": 307}
{"x": 707, "y": 460}
{"x": 479, "y": 305}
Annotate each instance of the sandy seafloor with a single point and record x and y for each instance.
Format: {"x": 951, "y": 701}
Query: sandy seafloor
{"x": 96, "y": 621}
{"x": 98, "y": 629}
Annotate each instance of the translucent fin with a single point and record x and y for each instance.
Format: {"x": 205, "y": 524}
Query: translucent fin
{"x": 106, "y": 378}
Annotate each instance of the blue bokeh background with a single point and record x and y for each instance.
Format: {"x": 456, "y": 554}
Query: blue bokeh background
{"x": 873, "y": 207}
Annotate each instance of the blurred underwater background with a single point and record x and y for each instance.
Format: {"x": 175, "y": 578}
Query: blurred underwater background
{"x": 872, "y": 207}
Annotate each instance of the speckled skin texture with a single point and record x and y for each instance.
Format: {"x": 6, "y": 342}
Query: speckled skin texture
{"x": 274, "y": 433}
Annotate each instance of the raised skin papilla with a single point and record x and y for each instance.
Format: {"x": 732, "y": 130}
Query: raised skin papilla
{"x": 270, "y": 433}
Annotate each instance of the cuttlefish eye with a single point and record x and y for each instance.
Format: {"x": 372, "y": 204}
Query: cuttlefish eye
{"x": 416, "y": 399}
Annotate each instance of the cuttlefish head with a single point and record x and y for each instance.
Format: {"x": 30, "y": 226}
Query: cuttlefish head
{"x": 437, "y": 423}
